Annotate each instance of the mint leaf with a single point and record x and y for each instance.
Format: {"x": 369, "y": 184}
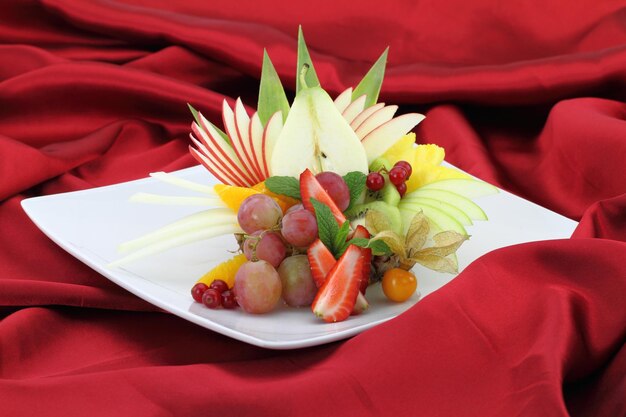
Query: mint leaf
{"x": 373, "y": 80}
{"x": 288, "y": 186}
{"x": 339, "y": 241}
{"x": 327, "y": 227}
{"x": 356, "y": 184}
{"x": 272, "y": 96}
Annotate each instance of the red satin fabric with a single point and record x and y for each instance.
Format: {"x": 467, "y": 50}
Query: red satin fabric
{"x": 529, "y": 97}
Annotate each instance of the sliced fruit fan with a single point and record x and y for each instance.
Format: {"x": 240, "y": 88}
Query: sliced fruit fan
{"x": 324, "y": 197}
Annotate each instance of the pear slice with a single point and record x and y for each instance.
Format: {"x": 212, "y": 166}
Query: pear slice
{"x": 317, "y": 137}
{"x": 470, "y": 208}
{"x": 270, "y": 135}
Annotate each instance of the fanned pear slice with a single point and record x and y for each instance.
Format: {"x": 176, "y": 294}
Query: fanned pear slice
{"x": 317, "y": 137}
{"x": 383, "y": 137}
{"x": 270, "y": 136}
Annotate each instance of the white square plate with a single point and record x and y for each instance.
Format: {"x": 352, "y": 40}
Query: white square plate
{"x": 90, "y": 224}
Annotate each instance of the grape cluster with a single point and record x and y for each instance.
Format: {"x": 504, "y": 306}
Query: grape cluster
{"x": 273, "y": 243}
{"x": 398, "y": 175}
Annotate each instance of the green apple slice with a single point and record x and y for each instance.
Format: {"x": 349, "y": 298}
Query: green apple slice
{"x": 466, "y": 187}
{"x": 441, "y": 219}
{"x": 447, "y": 208}
{"x": 317, "y": 137}
{"x": 471, "y": 209}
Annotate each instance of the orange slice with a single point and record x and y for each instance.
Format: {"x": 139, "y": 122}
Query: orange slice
{"x": 233, "y": 196}
{"x": 225, "y": 271}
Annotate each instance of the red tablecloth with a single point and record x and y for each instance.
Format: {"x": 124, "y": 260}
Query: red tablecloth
{"x": 527, "y": 95}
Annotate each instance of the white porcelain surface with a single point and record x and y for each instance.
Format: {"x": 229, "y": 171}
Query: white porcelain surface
{"x": 90, "y": 224}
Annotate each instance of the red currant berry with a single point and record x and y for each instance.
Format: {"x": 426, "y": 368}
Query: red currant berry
{"x": 228, "y": 299}
{"x": 407, "y": 167}
{"x": 401, "y": 189}
{"x": 397, "y": 175}
{"x": 219, "y": 285}
{"x": 212, "y": 298}
{"x": 375, "y": 181}
{"x": 197, "y": 291}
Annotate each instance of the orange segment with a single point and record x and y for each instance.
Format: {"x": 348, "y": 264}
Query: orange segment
{"x": 233, "y": 196}
{"x": 225, "y": 271}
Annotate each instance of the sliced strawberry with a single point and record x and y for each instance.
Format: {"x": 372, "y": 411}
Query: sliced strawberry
{"x": 336, "y": 298}
{"x": 361, "y": 231}
{"x": 311, "y": 188}
{"x": 321, "y": 261}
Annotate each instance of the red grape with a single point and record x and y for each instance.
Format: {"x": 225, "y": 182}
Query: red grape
{"x": 299, "y": 289}
{"x": 258, "y": 212}
{"x": 336, "y": 188}
{"x": 264, "y": 245}
{"x": 257, "y": 287}
{"x": 299, "y": 228}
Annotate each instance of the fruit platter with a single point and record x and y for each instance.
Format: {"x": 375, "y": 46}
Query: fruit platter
{"x": 306, "y": 221}
{"x": 323, "y": 196}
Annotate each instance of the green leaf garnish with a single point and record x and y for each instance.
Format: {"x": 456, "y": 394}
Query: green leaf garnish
{"x": 304, "y": 58}
{"x": 373, "y": 80}
{"x": 327, "y": 227}
{"x": 196, "y": 116}
{"x": 356, "y": 184}
{"x": 339, "y": 242}
{"x": 272, "y": 97}
{"x": 288, "y": 186}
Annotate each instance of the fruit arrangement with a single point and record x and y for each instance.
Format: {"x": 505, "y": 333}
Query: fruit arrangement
{"x": 324, "y": 197}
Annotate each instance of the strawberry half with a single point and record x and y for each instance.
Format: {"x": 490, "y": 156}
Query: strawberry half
{"x": 311, "y": 188}
{"x": 361, "y": 231}
{"x": 336, "y": 298}
{"x": 321, "y": 261}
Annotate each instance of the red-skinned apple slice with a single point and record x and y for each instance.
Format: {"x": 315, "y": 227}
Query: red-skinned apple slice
{"x": 365, "y": 114}
{"x": 270, "y": 135}
{"x": 198, "y": 156}
{"x": 376, "y": 119}
{"x": 228, "y": 118}
{"x": 255, "y": 136}
{"x": 219, "y": 156}
{"x": 354, "y": 109}
{"x": 209, "y": 159}
{"x": 242, "y": 124}
{"x": 343, "y": 100}
{"x": 380, "y": 139}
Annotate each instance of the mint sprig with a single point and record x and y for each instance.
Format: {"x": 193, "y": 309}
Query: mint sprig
{"x": 333, "y": 236}
{"x": 355, "y": 181}
{"x": 288, "y": 186}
